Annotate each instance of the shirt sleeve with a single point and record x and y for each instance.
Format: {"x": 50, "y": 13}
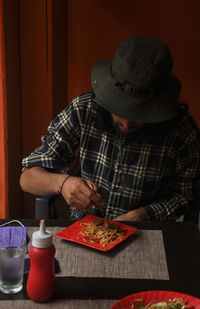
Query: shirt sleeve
{"x": 57, "y": 149}
{"x": 178, "y": 197}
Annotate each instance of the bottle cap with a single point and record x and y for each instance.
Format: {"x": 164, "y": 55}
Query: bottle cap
{"x": 42, "y": 238}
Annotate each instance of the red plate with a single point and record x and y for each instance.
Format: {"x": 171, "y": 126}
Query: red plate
{"x": 72, "y": 232}
{"x": 157, "y": 296}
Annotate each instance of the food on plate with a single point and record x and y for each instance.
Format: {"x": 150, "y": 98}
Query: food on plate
{"x": 101, "y": 232}
{"x": 176, "y": 303}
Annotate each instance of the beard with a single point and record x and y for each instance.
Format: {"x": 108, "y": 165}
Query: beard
{"x": 128, "y": 132}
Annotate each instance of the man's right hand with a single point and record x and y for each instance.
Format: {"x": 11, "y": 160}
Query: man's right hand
{"x": 81, "y": 193}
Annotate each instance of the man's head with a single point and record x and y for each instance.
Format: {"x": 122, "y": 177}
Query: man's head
{"x": 138, "y": 84}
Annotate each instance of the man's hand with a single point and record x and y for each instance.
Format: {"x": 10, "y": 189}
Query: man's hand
{"x": 81, "y": 193}
{"x": 133, "y": 215}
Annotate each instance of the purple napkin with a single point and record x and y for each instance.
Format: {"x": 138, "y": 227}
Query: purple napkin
{"x": 7, "y": 232}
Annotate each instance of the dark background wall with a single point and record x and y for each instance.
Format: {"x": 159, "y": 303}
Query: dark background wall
{"x": 55, "y": 43}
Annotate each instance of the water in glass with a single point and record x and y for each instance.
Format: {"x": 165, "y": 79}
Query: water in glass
{"x": 11, "y": 269}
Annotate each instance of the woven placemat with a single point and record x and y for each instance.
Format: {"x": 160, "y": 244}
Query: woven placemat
{"x": 142, "y": 256}
{"x": 59, "y": 304}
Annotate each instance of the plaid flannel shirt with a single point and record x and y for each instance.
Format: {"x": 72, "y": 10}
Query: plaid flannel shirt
{"x": 130, "y": 171}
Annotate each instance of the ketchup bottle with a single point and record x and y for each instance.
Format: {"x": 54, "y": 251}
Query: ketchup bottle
{"x": 41, "y": 279}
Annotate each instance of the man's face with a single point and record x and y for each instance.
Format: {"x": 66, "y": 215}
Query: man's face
{"x": 126, "y": 126}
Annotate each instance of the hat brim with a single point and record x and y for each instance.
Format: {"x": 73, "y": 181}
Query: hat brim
{"x": 128, "y": 106}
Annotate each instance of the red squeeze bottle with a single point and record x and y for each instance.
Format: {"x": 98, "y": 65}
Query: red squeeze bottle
{"x": 41, "y": 280}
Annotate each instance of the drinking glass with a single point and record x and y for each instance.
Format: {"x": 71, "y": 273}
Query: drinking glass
{"x": 12, "y": 253}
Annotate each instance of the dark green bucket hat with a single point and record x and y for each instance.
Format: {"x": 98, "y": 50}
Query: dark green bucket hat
{"x": 138, "y": 83}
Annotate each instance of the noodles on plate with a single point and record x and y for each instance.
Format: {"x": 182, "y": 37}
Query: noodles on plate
{"x": 101, "y": 232}
{"x": 176, "y": 303}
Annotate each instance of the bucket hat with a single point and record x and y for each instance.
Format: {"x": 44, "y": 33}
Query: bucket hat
{"x": 138, "y": 84}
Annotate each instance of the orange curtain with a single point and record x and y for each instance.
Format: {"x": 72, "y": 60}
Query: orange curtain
{"x": 3, "y": 126}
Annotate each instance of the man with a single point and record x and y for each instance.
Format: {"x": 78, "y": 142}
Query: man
{"x": 139, "y": 147}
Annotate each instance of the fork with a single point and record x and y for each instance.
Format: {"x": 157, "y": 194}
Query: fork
{"x": 93, "y": 204}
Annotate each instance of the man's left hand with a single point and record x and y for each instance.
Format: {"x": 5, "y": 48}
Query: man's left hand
{"x": 133, "y": 215}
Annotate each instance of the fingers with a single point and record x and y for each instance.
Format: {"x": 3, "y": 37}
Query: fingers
{"x": 81, "y": 193}
{"x": 94, "y": 195}
{"x": 91, "y": 185}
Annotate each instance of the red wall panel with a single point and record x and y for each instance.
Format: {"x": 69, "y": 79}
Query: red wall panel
{"x": 35, "y": 72}
{"x": 3, "y": 125}
{"x": 36, "y": 79}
